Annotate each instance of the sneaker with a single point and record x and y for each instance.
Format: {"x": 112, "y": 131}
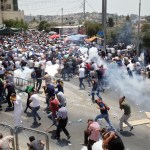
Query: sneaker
{"x": 68, "y": 137}
{"x": 35, "y": 123}
{"x": 131, "y": 128}
{"x": 83, "y": 144}
{"x": 119, "y": 130}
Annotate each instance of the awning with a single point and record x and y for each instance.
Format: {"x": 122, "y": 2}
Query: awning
{"x": 93, "y": 38}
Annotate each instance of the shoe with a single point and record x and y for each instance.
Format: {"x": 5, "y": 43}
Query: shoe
{"x": 83, "y": 144}
{"x": 39, "y": 118}
{"x": 25, "y": 111}
{"x": 120, "y": 130}
{"x": 35, "y": 123}
{"x": 56, "y": 137}
{"x": 9, "y": 106}
{"x": 68, "y": 137}
{"x": 131, "y": 128}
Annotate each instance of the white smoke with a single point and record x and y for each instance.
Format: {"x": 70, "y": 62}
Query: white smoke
{"x": 52, "y": 70}
{"x": 24, "y": 74}
{"x": 135, "y": 89}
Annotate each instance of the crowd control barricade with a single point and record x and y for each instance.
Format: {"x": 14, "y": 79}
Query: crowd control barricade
{"x": 21, "y": 130}
{"x": 11, "y": 131}
{"x": 21, "y": 84}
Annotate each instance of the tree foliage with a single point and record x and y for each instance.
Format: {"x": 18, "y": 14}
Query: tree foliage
{"x": 148, "y": 18}
{"x": 145, "y": 31}
{"x": 91, "y": 28}
{"x": 112, "y": 36}
{"x": 128, "y": 18}
{"x": 16, "y": 24}
{"x": 44, "y": 25}
{"x": 110, "y": 22}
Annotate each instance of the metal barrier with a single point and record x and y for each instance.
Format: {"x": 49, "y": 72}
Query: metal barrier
{"x": 30, "y": 130}
{"x": 21, "y": 84}
{"x": 11, "y": 132}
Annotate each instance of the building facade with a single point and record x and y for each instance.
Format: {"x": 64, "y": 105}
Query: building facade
{"x": 9, "y": 10}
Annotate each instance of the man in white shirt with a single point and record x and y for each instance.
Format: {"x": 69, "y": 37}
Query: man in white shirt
{"x": 48, "y": 63}
{"x": 81, "y": 77}
{"x": 34, "y": 99}
{"x": 131, "y": 66}
{"x": 17, "y": 64}
{"x": 36, "y": 64}
{"x": 30, "y": 63}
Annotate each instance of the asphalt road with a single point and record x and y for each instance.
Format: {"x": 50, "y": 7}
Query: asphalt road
{"x": 80, "y": 108}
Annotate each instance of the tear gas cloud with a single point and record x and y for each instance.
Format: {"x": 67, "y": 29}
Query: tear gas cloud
{"x": 135, "y": 89}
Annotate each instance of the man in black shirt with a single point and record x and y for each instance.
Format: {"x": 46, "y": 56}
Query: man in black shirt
{"x": 38, "y": 73}
{"x": 10, "y": 89}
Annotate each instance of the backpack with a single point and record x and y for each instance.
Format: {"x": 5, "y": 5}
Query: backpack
{"x": 33, "y": 75}
{"x": 29, "y": 89}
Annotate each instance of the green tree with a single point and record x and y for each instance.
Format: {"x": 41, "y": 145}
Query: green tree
{"x": 91, "y": 28}
{"x": 16, "y": 24}
{"x": 128, "y": 18}
{"x": 148, "y": 18}
{"x": 110, "y": 22}
{"x": 44, "y": 25}
{"x": 145, "y": 31}
{"x": 112, "y": 36}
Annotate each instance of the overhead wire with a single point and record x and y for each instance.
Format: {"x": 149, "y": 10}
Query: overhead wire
{"x": 90, "y": 5}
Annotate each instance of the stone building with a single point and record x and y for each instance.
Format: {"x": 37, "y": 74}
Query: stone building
{"x": 9, "y": 10}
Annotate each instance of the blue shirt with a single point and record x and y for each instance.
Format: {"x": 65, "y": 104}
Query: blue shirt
{"x": 101, "y": 105}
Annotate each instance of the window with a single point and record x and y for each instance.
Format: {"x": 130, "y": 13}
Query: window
{"x": 8, "y": 6}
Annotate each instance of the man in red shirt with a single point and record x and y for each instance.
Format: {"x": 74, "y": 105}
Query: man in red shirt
{"x": 53, "y": 108}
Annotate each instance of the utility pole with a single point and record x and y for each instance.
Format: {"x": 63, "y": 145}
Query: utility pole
{"x": 104, "y": 21}
{"x": 84, "y": 10}
{"x": 62, "y": 20}
{"x": 139, "y": 24}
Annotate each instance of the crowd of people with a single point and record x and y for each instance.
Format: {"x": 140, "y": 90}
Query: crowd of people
{"x": 34, "y": 50}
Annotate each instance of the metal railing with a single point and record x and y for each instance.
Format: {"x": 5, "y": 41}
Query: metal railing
{"x": 21, "y": 84}
{"x": 11, "y": 133}
{"x": 33, "y": 131}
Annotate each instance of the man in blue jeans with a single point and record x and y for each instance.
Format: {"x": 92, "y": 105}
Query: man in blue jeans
{"x": 104, "y": 112}
{"x": 34, "y": 99}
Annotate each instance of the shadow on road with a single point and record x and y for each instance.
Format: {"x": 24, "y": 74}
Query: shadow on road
{"x": 127, "y": 134}
{"x": 35, "y": 126}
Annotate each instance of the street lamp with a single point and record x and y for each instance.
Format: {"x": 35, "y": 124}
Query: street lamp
{"x": 139, "y": 23}
{"x": 104, "y": 20}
